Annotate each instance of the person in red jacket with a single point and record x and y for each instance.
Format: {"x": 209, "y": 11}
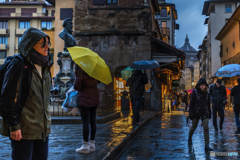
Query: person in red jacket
{"x": 88, "y": 100}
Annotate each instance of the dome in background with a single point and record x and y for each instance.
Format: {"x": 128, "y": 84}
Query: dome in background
{"x": 187, "y": 47}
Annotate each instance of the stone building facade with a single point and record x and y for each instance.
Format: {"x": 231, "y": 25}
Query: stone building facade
{"x": 122, "y": 32}
{"x": 119, "y": 33}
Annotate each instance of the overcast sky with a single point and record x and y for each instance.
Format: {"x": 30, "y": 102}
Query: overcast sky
{"x": 191, "y": 22}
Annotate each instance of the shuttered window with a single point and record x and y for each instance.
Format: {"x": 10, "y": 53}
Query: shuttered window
{"x": 46, "y": 24}
{"x": 27, "y": 12}
{"x": 3, "y": 40}
{"x": 3, "y": 54}
{"x": 4, "y": 25}
{"x": 66, "y": 13}
{"x": 24, "y": 24}
{"x": 111, "y": 1}
{"x": 6, "y": 12}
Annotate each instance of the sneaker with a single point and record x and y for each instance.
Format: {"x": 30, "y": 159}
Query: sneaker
{"x": 92, "y": 146}
{"x": 216, "y": 129}
{"x": 85, "y": 148}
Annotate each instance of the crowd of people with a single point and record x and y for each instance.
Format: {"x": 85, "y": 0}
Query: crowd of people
{"x": 205, "y": 102}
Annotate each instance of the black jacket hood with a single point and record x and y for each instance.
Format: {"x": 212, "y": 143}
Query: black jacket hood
{"x": 201, "y": 81}
{"x": 29, "y": 38}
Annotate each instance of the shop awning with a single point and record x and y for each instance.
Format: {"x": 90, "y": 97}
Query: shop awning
{"x": 165, "y": 53}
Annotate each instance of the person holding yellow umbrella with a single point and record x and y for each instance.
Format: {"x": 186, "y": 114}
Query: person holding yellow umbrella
{"x": 90, "y": 69}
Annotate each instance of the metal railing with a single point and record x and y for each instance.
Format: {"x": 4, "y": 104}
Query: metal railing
{"x": 107, "y": 105}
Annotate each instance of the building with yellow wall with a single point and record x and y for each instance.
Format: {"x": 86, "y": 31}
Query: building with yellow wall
{"x": 229, "y": 37}
{"x": 18, "y": 15}
{"x": 62, "y": 10}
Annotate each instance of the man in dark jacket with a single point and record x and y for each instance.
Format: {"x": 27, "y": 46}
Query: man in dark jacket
{"x": 26, "y": 92}
{"x": 200, "y": 109}
{"x": 129, "y": 84}
{"x": 138, "y": 81}
{"x": 236, "y": 94}
{"x": 185, "y": 100}
{"x": 218, "y": 95}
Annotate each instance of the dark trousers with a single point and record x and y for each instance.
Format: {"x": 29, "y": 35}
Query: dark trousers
{"x": 205, "y": 128}
{"x": 29, "y": 149}
{"x": 88, "y": 115}
{"x": 220, "y": 111}
{"x": 237, "y": 119}
{"x": 131, "y": 97}
{"x": 186, "y": 105}
{"x": 137, "y": 104}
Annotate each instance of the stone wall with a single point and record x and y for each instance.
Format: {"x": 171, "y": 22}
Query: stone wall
{"x": 123, "y": 18}
{"x": 121, "y": 50}
{"x": 119, "y": 34}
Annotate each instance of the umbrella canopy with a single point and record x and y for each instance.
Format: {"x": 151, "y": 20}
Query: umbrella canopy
{"x": 139, "y": 65}
{"x": 190, "y": 90}
{"x": 229, "y": 70}
{"x": 91, "y": 63}
{"x": 126, "y": 73}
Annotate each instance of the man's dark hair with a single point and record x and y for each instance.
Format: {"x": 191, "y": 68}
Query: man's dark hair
{"x": 66, "y": 21}
{"x": 238, "y": 80}
{"x": 219, "y": 81}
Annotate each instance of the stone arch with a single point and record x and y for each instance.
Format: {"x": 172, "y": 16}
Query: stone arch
{"x": 117, "y": 72}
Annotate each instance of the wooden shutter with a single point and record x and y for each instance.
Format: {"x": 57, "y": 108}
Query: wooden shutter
{"x": 66, "y": 13}
{"x": 27, "y": 12}
{"x": 98, "y": 2}
{"x": 6, "y": 12}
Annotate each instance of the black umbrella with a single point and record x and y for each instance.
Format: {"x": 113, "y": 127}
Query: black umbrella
{"x": 139, "y": 65}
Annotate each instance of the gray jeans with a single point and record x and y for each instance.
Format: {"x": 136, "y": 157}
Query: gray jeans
{"x": 168, "y": 105}
{"x": 205, "y": 128}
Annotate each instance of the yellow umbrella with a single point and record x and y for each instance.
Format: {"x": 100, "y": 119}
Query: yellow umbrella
{"x": 91, "y": 63}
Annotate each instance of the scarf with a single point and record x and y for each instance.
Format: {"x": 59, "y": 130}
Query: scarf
{"x": 39, "y": 59}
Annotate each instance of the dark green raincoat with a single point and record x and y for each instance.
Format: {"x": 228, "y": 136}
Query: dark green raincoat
{"x": 27, "y": 94}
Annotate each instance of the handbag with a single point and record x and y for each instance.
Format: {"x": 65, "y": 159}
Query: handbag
{"x": 70, "y": 103}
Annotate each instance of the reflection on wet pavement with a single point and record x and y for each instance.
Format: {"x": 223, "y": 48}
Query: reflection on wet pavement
{"x": 166, "y": 138}
{"x": 64, "y": 139}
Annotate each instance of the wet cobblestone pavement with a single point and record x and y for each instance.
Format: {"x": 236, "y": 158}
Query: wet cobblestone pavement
{"x": 166, "y": 137}
{"x": 64, "y": 139}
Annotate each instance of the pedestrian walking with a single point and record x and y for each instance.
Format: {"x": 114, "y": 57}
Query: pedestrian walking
{"x": 218, "y": 96}
{"x": 168, "y": 102}
{"x": 129, "y": 84}
{"x": 138, "y": 81}
{"x": 200, "y": 109}
{"x": 236, "y": 94}
{"x": 175, "y": 101}
{"x": 88, "y": 100}
{"x": 185, "y": 100}
{"x": 26, "y": 93}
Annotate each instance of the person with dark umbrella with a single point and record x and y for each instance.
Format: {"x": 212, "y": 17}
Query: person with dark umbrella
{"x": 138, "y": 81}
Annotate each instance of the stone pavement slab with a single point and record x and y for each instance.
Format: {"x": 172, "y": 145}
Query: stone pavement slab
{"x": 166, "y": 137}
{"x": 64, "y": 139}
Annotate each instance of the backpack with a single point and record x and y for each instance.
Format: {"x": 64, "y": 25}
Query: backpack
{"x": 3, "y": 69}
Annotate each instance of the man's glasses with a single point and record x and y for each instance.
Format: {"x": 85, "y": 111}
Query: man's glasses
{"x": 42, "y": 44}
